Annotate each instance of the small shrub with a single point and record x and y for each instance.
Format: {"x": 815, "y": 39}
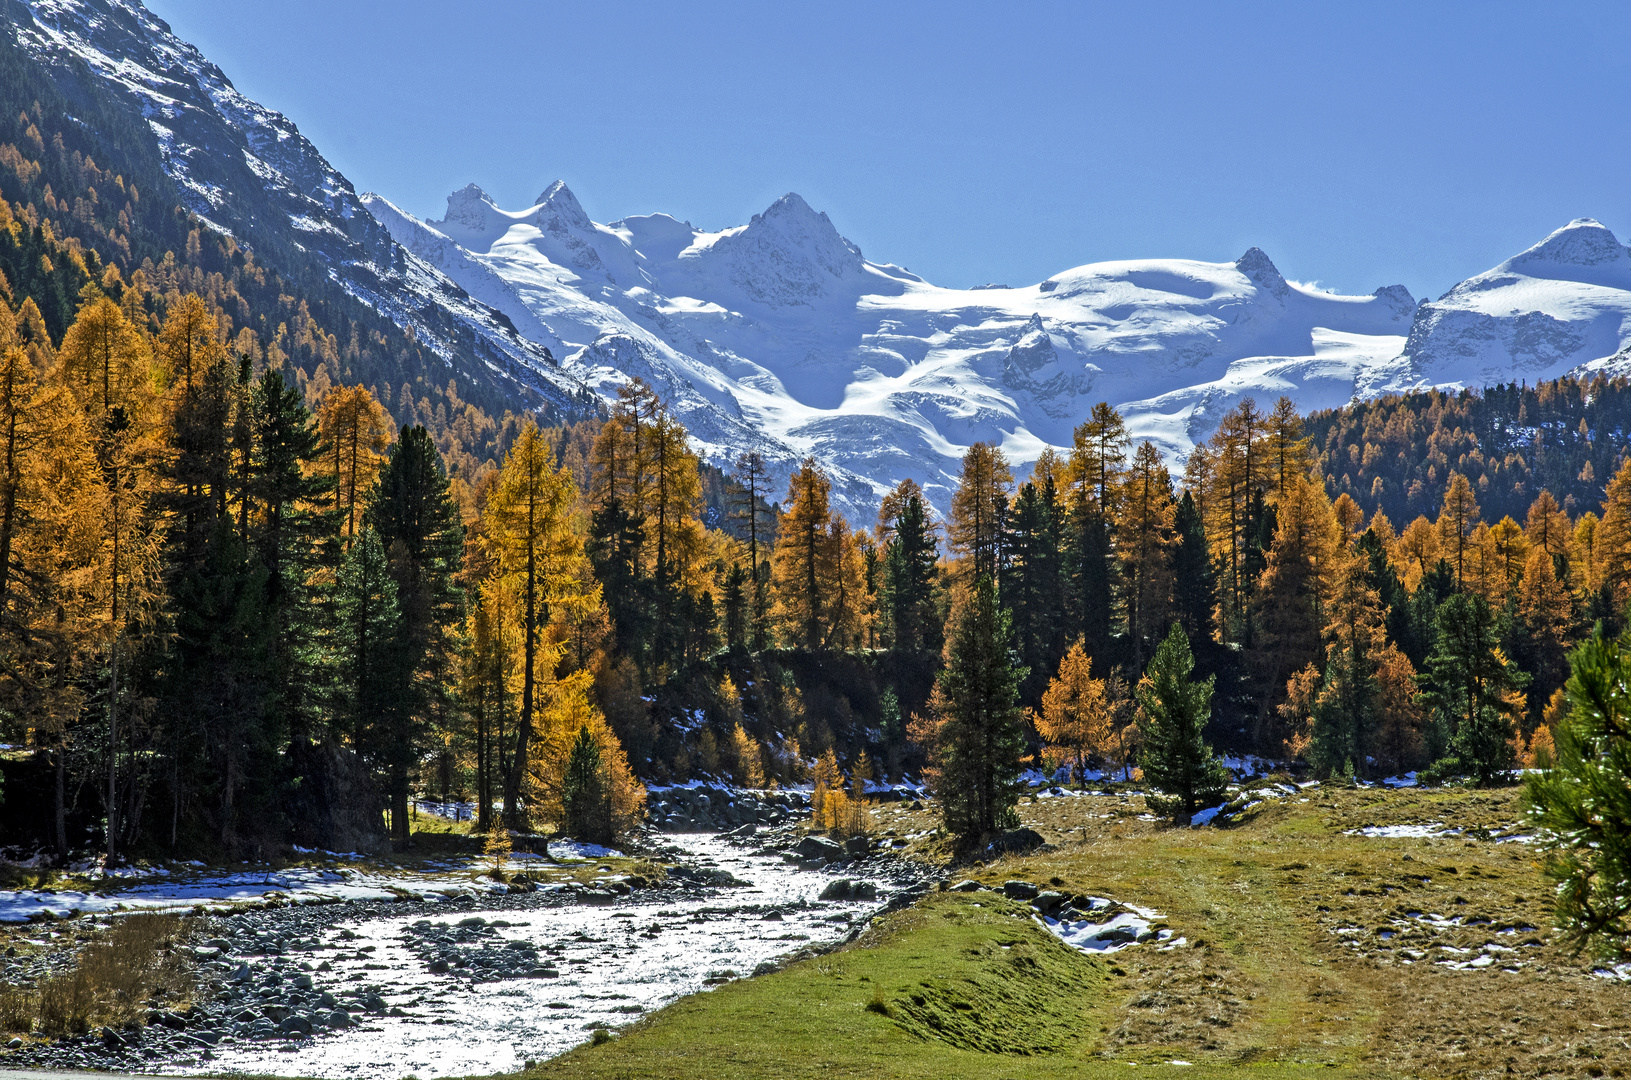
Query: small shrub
{"x": 497, "y": 849}
{"x": 18, "y": 1009}
{"x": 878, "y": 1004}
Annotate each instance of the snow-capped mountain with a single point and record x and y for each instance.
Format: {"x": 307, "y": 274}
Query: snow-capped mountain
{"x": 1563, "y": 305}
{"x": 247, "y": 171}
{"x": 780, "y": 335}
{"x": 784, "y": 328}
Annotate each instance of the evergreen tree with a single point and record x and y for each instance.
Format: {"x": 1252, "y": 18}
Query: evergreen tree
{"x": 586, "y": 793}
{"x": 411, "y": 509}
{"x": 980, "y": 737}
{"x": 752, "y": 476}
{"x": 1346, "y": 715}
{"x": 1581, "y": 801}
{"x": 1097, "y": 457}
{"x": 1473, "y": 690}
{"x": 1173, "y": 711}
{"x": 369, "y": 653}
{"x": 1194, "y": 584}
{"x": 1091, "y": 564}
{"x": 292, "y": 518}
{"x": 910, "y": 566}
{"x": 1032, "y": 583}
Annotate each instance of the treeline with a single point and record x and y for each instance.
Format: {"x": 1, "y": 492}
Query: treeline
{"x": 235, "y": 612}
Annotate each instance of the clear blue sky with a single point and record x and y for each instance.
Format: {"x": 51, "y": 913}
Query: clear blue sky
{"x": 1359, "y": 144}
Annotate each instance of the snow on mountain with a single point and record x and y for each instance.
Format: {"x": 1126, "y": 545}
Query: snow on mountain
{"x": 782, "y": 327}
{"x": 247, "y": 171}
{"x": 780, "y": 335}
{"x": 1563, "y": 305}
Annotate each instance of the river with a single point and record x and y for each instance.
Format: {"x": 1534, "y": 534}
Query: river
{"x": 614, "y": 964}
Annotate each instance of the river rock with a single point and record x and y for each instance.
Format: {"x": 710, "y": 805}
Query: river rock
{"x": 845, "y": 889}
{"x": 1020, "y": 890}
{"x": 819, "y": 847}
{"x": 966, "y": 885}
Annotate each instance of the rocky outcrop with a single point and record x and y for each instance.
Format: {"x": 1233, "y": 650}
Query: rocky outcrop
{"x": 716, "y": 809}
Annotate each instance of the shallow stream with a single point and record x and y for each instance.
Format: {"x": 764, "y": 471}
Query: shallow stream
{"x": 612, "y": 964}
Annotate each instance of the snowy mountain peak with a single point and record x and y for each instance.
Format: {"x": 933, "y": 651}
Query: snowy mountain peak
{"x": 790, "y": 256}
{"x": 558, "y": 204}
{"x": 797, "y": 224}
{"x": 470, "y": 208}
{"x": 1257, "y": 266}
{"x": 1581, "y": 244}
{"x": 1396, "y": 297}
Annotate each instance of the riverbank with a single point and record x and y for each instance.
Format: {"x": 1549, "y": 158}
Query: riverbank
{"x": 439, "y": 985}
{"x": 1319, "y": 931}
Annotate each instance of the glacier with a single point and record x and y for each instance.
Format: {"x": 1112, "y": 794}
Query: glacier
{"x": 781, "y": 333}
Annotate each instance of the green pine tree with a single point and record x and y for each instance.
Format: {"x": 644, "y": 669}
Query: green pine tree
{"x": 1470, "y": 685}
{"x": 368, "y": 657}
{"x": 1173, "y": 711}
{"x": 1581, "y": 803}
{"x": 909, "y": 573}
{"x": 1032, "y": 584}
{"x": 980, "y": 739}
{"x": 1194, "y": 582}
{"x": 586, "y": 792}
{"x": 411, "y": 508}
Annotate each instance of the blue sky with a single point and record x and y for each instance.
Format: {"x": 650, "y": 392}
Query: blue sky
{"x": 1358, "y": 144}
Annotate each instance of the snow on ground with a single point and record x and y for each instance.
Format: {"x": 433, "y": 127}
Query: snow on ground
{"x": 1128, "y": 926}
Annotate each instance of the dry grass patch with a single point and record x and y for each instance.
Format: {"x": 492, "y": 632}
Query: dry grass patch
{"x": 136, "y": 965}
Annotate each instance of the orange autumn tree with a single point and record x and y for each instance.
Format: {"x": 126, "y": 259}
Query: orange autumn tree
{"x": 1075, "y": 720}
{"x": 356, "y": 430}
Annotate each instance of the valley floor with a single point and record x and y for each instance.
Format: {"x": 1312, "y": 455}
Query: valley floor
{"x": 1328, "y": 932}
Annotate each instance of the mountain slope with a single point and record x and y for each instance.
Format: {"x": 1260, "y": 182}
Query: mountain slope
{"x": 248, "y": 172}
{"x": 779, "y": 334}
{"x": 1563, "y": 305}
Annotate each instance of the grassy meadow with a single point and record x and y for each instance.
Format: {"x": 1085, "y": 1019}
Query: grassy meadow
{"x": 1307, "y": 951}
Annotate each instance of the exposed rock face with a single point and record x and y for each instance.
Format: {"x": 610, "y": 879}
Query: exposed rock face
{"x": 334, "y": 805}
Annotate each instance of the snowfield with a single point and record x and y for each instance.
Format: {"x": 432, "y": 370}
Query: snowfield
{"x": 780, "y": 334}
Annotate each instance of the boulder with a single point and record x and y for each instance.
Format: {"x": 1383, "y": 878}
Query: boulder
{"x": 966, "y": 885}
{"x": 845, "y": 889}
{"x": 819, "y": 847}
{"x": 1048, "y": 902}
{"x": 1020, "y": 890}
{"x": 857, "y": 846}
{"x": 837, "y": 890}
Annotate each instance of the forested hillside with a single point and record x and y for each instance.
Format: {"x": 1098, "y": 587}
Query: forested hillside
{"x": 269, "y": 568}
{"x": 1396, "y": 453}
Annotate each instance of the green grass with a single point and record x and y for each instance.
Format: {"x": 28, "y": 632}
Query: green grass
{"x": 1303, "y": 959}
{"x": 959, "y": 986}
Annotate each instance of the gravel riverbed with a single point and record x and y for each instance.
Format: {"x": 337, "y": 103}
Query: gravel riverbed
{"x": 484, "y": 983}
